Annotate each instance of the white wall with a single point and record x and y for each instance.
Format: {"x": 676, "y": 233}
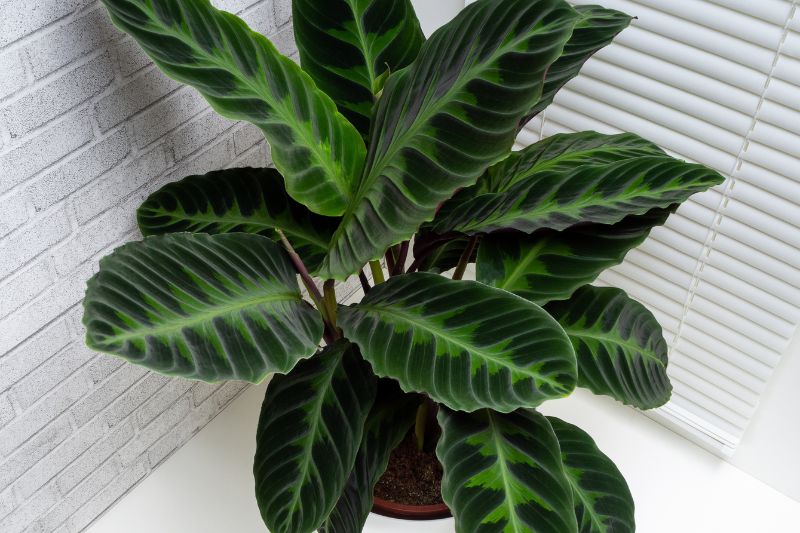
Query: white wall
{"x": 434, "y": 13}
{"x": 88, "y": 127}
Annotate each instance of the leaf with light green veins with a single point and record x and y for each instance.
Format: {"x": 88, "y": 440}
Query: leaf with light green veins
{"x": 465, "y": 344}
{"x": 244, "y": 77}
{"x": 620, "y": 346}
{"x": 247, "y": 200}
{"x": 603, "y": 501}
{"x": 347, "y": 45}
{"x": 388, "y": 423}
{"x": 596, "y": 29}
{"x": 209, "y": 307}
{"x": 440, "y": 253}
{"x": 311, "y": 425}
{"x": 445, "y": 118}
{"x": 503, "y": 473}
{"x": 574, "y": 178}
{"x": 551, "y": 265}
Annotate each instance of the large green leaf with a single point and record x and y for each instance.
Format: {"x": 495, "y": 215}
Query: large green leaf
{"x": 249, "y": 200}
{"x": 448, "y": 116}
{"x": 603, "y": 501}
{"x": 311, "y": 425}
{"x": 244, "y": 77}
{"x": 503, "y": 473}
{"x": 463, "y": 343}
{"x": 551, "y": 265}
{"x": 596, "y": 29}
{"x": 440, "y": 253}
{"x": 621, "y": 349}
{"x": 347, "y": 45}
{"x": 571, "y": 178}
{"x": 388, "y": 423}
{"x": 208, "y": 307}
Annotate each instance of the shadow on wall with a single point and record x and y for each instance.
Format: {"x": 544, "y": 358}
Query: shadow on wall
{"x": 88, "y": 128}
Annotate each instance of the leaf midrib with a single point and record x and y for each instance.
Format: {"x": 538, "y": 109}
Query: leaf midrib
{"x": 510, "y": 494}
{"x": 205, "y": 316}
{"x": 617, "y": 341}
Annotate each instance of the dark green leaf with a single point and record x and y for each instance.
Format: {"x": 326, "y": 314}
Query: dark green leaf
{"x": 311, "y": 425}
{"x": 551, "y": 265}
{"x": 346, "y": 45}
{"x": 388, "y": 423}
{"x": 208, "y": 307}
{"x": 465, "y": 344}
{"x": 243, "y": 77}
{"x": 596, "y": 29}
{"x": 603, "y": 501}
{"x": 448, "y": 116}
{"x": 248, "y": 200}
{"x": 571, "y": 178}
{"x": 503, "y": 473}
{"x": 621, "y": 350}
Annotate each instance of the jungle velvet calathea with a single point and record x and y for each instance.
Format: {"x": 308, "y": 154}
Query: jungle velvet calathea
{"x": 393, "y": 158}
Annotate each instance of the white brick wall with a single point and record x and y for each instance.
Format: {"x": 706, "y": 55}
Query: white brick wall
{"x": 88, "y": 128}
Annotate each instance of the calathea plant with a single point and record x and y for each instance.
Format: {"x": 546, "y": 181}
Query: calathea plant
{"x": 388, "y": 146}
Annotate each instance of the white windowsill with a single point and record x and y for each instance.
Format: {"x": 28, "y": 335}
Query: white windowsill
{"x": 206, "y": 487}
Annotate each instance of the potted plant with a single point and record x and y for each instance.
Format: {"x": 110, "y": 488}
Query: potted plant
{"x": 388, "y": 146}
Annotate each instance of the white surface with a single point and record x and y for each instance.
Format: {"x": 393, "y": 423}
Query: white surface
{"x": 434, "y": 13}
{"x": 207, "y": 486}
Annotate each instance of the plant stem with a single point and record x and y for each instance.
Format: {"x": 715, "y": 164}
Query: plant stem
{"x": 364, "y": 281}
{"x": 465, "y": 257}
{"x": 330, "y": 300}
{"x": 421, "y": 424}
{"x": 400, "y": 263}
{"x": 377, "y": 272}
{"x": 313, "y": 290}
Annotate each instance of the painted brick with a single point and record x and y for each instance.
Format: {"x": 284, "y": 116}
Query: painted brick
{"x": 72, "y": 449}
{"x": 95, "y": 237}
{"x": 167, "y": 115}
{"x": 180, "y": 434}
{"x": 103, "y": 396}
{"x": 261, "y": 19}
{"x": 48, "y": 307}
{"x": 96, "y": 506}
{"x": 14, "y": 77}
{"x": 246, "y": 137}
{"x": 258, "y": 156}
{"x": 283, "y": 11}
{"x": 23, "y": 287}
{"x": 132, "y": 400}
{"x": 19, "y": 19}
{"x": 233, "y": 6}
{"x": 284, "y": 41}
{"x": 130, "y": 57}
{"x": 77, "y": 39}
{"x": 155, "y": 430}
{"x": 23, "y": 360}
{"x": 228, "y": 392}
{"x": 23, "y": 246}
{"x": 84, "y": 492}
{"x": 132, "y": 97}
{"x": 204, "y": 161}
{"x": 45, "y": 149}
{"x": 59, "y": 96}
{"x": 198, "y": 133}
{"x": 94, "y": 457}
{"x": 7, "y": 503}
{"x": 108, "y": 191}
{"x": 202, "y": 391}
{"x": 51, "y": 374}
{"x": 33, "y": 420}
{"x": 13, "y": 215}
{"x": 77, "y": 172}
{"x": 168, "y": 395}
{"x": 33, "y": 451}
{"x": 102, "y": 367}
{"x": 23, "y": 515}
{"x": 6, "y": 411}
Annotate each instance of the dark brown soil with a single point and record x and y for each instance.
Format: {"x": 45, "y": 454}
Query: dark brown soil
{"x": 413, "y": 477}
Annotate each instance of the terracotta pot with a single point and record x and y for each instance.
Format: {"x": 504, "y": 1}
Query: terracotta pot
{"x": 410, "y": 512}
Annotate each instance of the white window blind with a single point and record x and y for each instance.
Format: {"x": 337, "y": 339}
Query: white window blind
{"x": 716, "y": 82}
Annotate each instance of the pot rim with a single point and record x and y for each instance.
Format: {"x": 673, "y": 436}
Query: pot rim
{"x": 410, "y": 512}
